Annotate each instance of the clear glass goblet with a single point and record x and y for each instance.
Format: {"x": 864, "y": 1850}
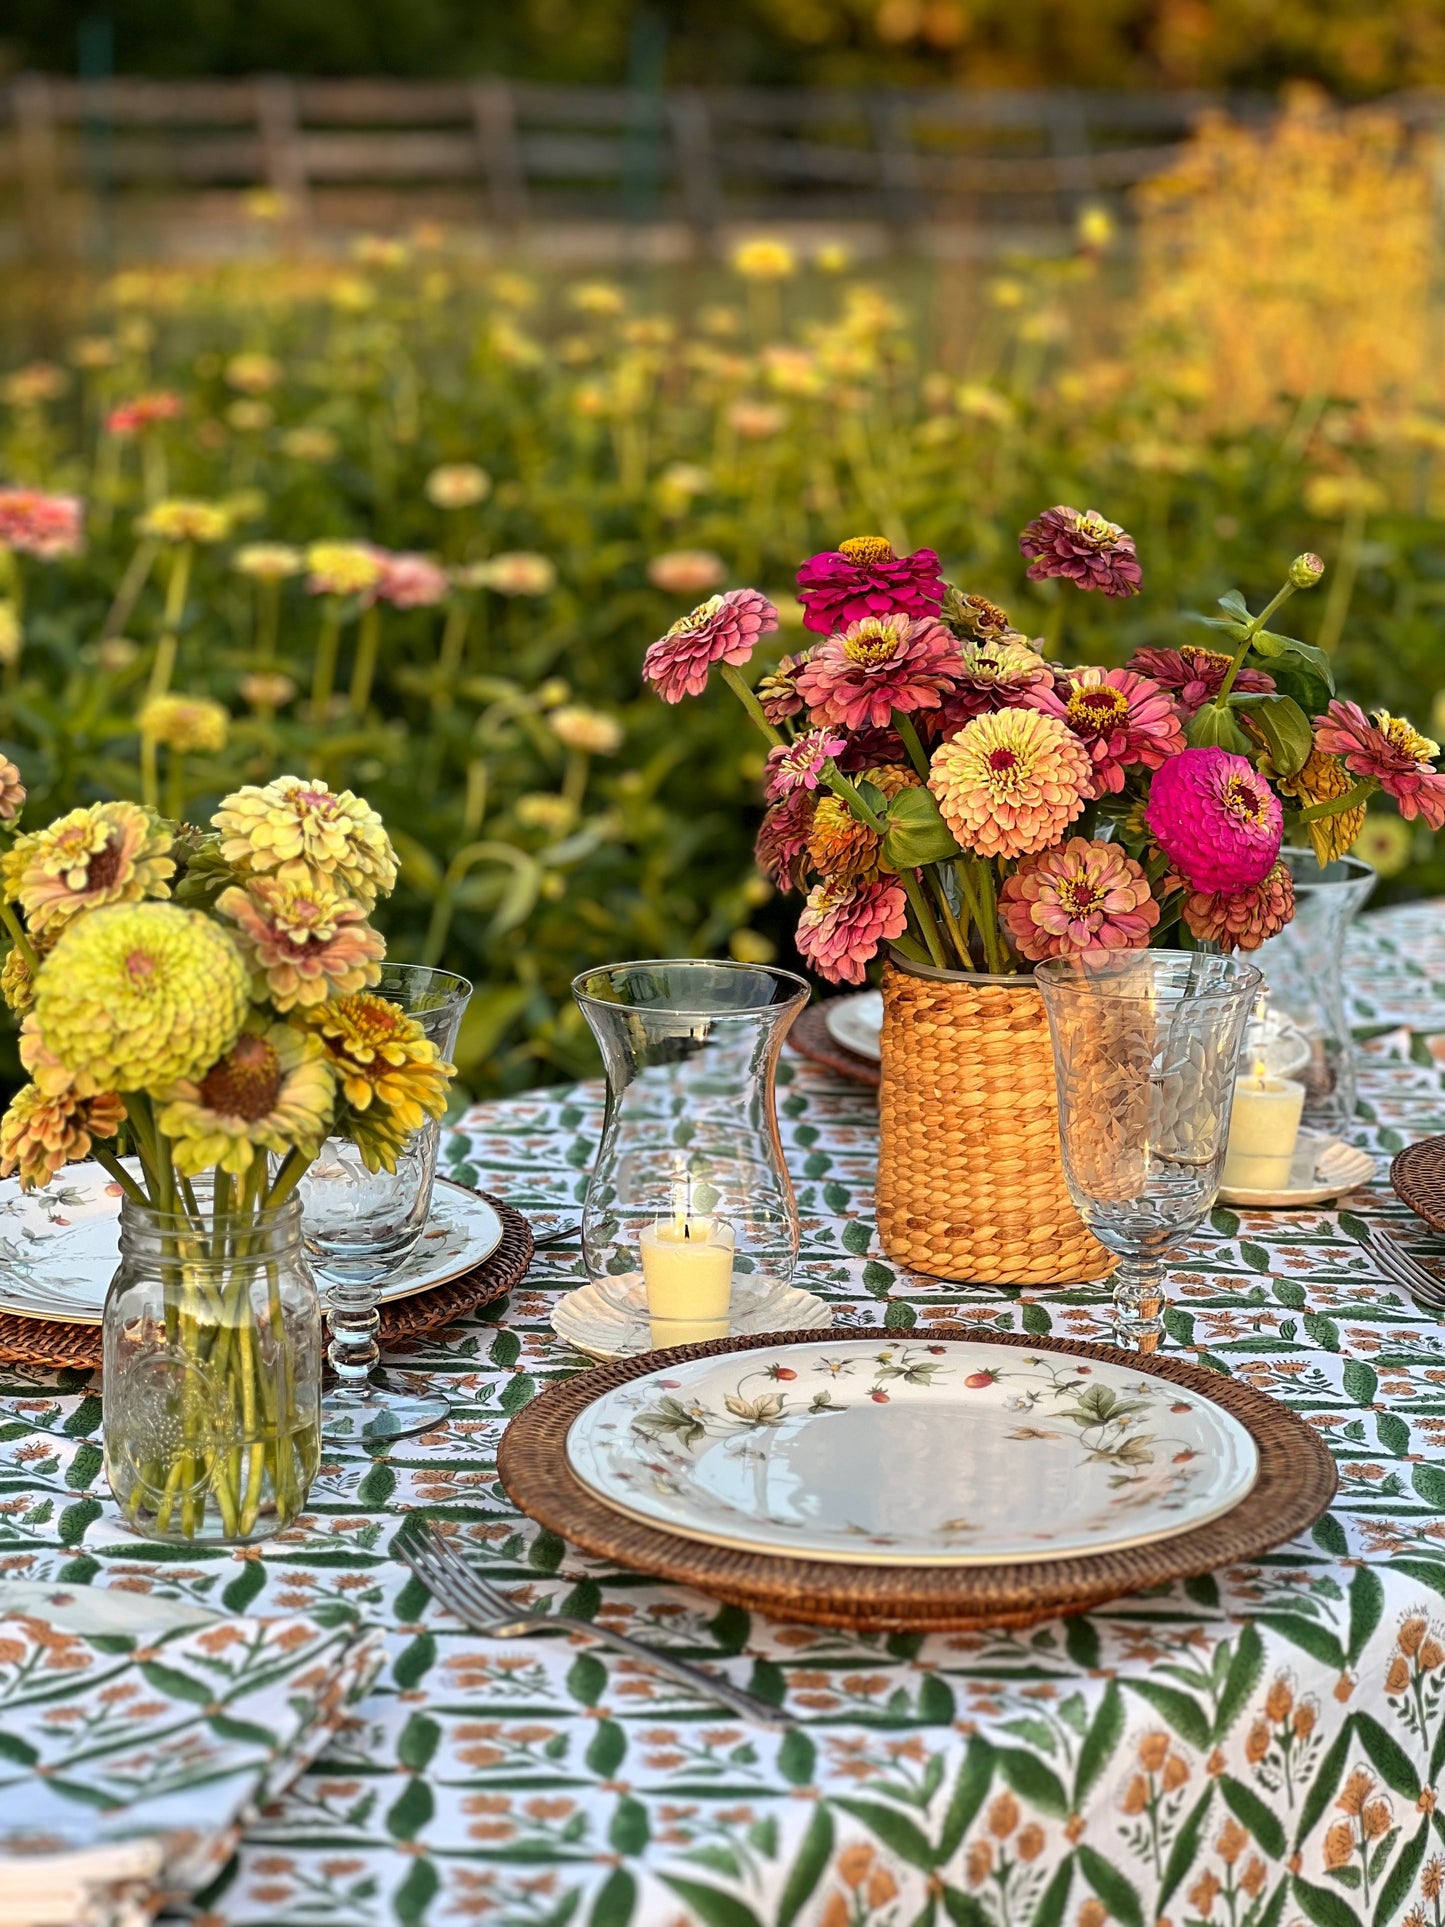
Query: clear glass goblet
{"x": 1146, "y": 1053}
{"x": 360, "y": 1226}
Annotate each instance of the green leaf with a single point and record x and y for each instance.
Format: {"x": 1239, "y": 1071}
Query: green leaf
{"x": 250, "y": 1580}
{"x": 897, "y": 1832}
{"x": 1290, "y": 1293}
{"x": 1329, "y": 1535}
{"x": 84, "y": 1419}
{"x": 1250, "y": 1811}
{"x": 965, "y": 1910}
{"x": 176, "y": 1685}
{"x": 412, "y": 1900}
{"x": 377, "y": 1487}
{"x": 807, "y": 1870}
{"x": 936, "y": 1703}
{"x": 615, "y": 1900}
{"x": 1396, "y": 1889}
{"x": 1325, "y": 1784}
{"x": 1324, "y": 1908}
{"x": 417, "y": 1742}
{"x": 1054, "y": 1901}
{"x": 1184, "y": 1714}
{"x": 1286, "y": 731}
{"x": 12, "y": 1747}
{"x": 1234, "y": 604}
{"x": 797, "y": 1757}
{"x": 1213, "y": 727}
{"x": 630, "y": 1829}
{"x": 731, "y": 1627}
{"x": 517, "y": 1392}
{"x": 505, "y": 1350}
{"x": 1429, "y": 1484}
{"x": 411, "y": 1810}
{"x": 84, "y": 1466}
{"x": 1224, "y": 1221}
{"x": 1362, "y": 1385}
{"x": 1185, "y": 1851}
{"x": 1308, "y": 1635}
{"x": 1036, "y": 1320}
{"x": 1322, "y": 1330}
{"x": 1100, "y": 1743}
{"x": 587, "y": 1679}
{"x": 1367, "y": 1602}
{"x": 606, "y": 1750}
{"x": 1255, "y": 1256}
{"x": 1388, "y": 1757}
{"x": 712, "y": 1908}
{"x": 1393, "y": 1434}
{"x": 1081, "y": 1641}
{"x": 546, "y": 1552}
{"x": 75, "y": 1518}
{"x": 414, "y": 1661}
{"x": 916, "y": 833}
{"x": 1034, "y": 1782}
{"x": 970, "y": 1790}
{"x": 1112, "y": 1888}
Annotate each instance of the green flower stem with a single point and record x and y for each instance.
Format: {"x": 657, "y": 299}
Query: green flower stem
{"x": 368, "y": 646}
{"x": 137, "y": 574}
{"x": 957, "y": 936}
{"x": 453, "y": 643}
{"x": 150, "y": 782}
{"x": 917, "y": 754}
{"x": 574, "y": 783}
{"x": 18, "y": 937}
{"x": 1255, "y": 625}
{"x": 108, "y": 1161}
{"x": 268, "y": 619}
{"x": 164, "y": 666}
{"x": 737, "y": 683}
{"x": 1337, "y": 805}
{"x": 1342, "y": 584}
{"x": 175, "y": 785}
{"x": 918, "y": 903}
{"x": 971, "y": 873}
{"x": 323, "y": 670}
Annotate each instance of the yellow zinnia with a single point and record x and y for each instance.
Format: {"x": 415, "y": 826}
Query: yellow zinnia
{"x": 181, "y": 520}
{"x": 189, "y": 725}
{"x": 391, "y": 1075}
{"x": 101, "y": 854}
{"x": 271, "y": 1090}
{"x": 294, "y": 827}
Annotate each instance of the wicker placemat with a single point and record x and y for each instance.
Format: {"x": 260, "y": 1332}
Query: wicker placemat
{"x": 52, "y": 1344}
{"x": 811, "y": 1037}
{"x": 1296, "y": 1482}
{"x": 1418, "y": 1175}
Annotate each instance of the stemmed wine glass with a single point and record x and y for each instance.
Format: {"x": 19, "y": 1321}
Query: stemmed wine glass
{"x": 1146, "y": 1053}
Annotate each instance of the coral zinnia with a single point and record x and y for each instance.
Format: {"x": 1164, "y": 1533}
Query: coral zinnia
{"x": 1240, "y": 919}
{"x": 40, "y": 1133}
{"x": 863, "y": 577}
{"x": 722, "y": 629}
{"x": 1397, "y": 756}
{"x": 841, "y": 847}
{"x": 1194, "y": 677}
{"x": 12, "y": 791}
{"x": 799, "y": 765}
{"x": 863, "y": 673}
{"x": 391, "y": 1075}
{"x": 1010, "y": 782}
{"x": 843, "y": 924}
{"x": 294, "y": 826}
{"x": 100, "y": 854}
{"x": 1122, "y": 720}
{"x": 1082, "y": 547}
{"x": 1080, "y": 896}
{"x": 271, "y": 1090}
{"x": 304, "y": 940}
{"x": 141, "y": 994}
{"x": 34, "y": 523}
{"x": 782, "y": 843}
{"x": 1216, "y": 819}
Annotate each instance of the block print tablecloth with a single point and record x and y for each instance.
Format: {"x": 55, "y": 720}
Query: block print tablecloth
{"x": 1247, "y": 1751}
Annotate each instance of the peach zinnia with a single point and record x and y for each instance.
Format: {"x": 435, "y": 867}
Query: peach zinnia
{"x": 303, "y": 940}
{"x": 1011, "y": 782}
{"x": 1081, "y": 896}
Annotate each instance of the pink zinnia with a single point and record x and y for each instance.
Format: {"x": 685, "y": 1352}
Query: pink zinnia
{"x": 1120, "y": 718}
{"x": 130, "y": 417}
{"x": 1082, "y": 547}
{"x": 34, "y": 523}
{"x": 863, "y": 577}
{"x": 994, "y": 672}
{"x": 1391, "y": 751}
{"x": 1239, "y": 919}
{"x": 1010, "y": 783}
{"x": 782, "y": 843}
{"x": 1194, "y": 677}
{"x": 858, "y": 677}
{"x": 410, "y": 581}
{"x": 1078, "y": 896}
{"x": 1216, "y": 819}
{"x": 799, "y": 765}
{"x": 867, "y": 747}
{"x": 722, "y": 629}
{"x": 842, "y": 926}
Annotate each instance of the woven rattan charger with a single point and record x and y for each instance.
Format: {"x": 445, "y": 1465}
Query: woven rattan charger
{"x": 811, "y": 1038}
{"x": 1418, "y": 1176}
{"x": 1296, "y": 1482}
{"x": 49, "y": 1343}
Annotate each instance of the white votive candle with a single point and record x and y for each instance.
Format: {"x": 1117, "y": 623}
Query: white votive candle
{"x": 1262, "y": 1133}
{"x": 687, "y": 1268}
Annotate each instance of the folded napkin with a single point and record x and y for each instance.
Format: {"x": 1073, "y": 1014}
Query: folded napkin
{"x": 138, "y": 1736}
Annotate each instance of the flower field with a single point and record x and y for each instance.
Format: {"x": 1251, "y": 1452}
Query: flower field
{"x": 408, "y": 523}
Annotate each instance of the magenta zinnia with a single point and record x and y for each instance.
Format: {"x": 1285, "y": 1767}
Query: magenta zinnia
{"x": 1216, "y": 819}
{"x": 1082, "y": 547}
{"x": 859, "y": 676}
{"x": 800, "y": 764}
{"x": 1388, "y": 749}
{"x": 843, "y": 924}
{"x": 1080, "y": 896}
{"x": 1194, "y": 677}
{"x": 1240, "y": 919}
{"x": 1011, "y": 782}
{"x": 1121, "y": 719}
{"x": 722, "y": 629}
{"x": 863, "y": 577}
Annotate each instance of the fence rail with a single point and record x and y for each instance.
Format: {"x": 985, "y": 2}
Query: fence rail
{"x": 509, "y": 151}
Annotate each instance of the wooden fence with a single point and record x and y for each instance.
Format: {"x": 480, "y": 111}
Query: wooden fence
{"x": 508, "y": 153}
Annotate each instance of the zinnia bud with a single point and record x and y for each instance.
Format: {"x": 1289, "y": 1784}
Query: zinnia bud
{"x": 1306, "y": 570}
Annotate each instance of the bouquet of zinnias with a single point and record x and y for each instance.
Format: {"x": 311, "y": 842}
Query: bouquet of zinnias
{"x": 934, "y": 782}
{"x": 207, "y": 998}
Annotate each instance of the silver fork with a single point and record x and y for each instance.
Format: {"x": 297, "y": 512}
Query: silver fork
{"x": 1403, "y": 1270}
{"x": 474, "y": 1600}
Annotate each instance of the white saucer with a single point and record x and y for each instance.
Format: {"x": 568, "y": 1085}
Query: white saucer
{"x": 605, "y": 1329}
{"x": 856, "y": 1022}
{"x": 1324, "y": 1167}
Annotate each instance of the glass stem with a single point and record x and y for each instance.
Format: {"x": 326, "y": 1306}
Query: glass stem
{"x": 1139, "y": 1301}
{"x": 352, "y": 1324}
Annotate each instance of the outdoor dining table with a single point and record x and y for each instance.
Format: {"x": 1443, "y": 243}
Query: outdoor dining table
{"x": 1252, "y": 1748}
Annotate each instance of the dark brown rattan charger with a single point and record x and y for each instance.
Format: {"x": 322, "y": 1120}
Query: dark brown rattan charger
{"x": 811, "y": 1038}
{"x": 50, "y": 1344}
{"x": 1296, "y": 1482}
{"x": 1418, "y": 1175}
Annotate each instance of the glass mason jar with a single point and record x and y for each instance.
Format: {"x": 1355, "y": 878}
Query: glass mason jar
{"x": 1303, "y": 969}
{"x": 212, "y": 1371}
{"x": 690, "y": 1130}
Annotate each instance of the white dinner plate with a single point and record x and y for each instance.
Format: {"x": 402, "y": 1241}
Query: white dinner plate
{"x": 616, "y": 1325}
{"x": 59, "y": 1247}
{"x": 856, "y": 1022}
{"x": 954, "y": 1453}
{"x": 1324, "y": 1167}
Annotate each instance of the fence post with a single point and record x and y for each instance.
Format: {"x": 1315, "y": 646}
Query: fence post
{"x": 892, "y": 118}
{"x": 494, "y": 116}
{"x": 1068, "y": 126}
{"x": 691, "y": 123}
{"x": 283, "y": 153}
{"x": 37, "y": 156}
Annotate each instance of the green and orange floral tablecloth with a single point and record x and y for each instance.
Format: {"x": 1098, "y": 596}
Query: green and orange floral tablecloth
{"x": 1249, "y": 1750}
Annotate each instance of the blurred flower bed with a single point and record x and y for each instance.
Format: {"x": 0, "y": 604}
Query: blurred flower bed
{"x": 407, "y": 522}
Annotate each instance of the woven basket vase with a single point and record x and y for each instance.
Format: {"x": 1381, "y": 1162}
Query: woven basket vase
{"x": 970, "y": 1183}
